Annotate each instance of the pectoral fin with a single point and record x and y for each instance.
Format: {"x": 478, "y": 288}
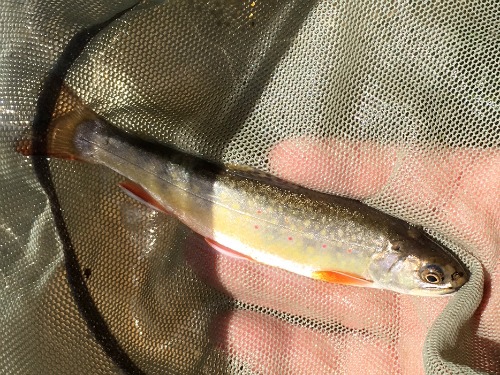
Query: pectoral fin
{"x": 343, "y": 278}
{"x": 137, "y": 192}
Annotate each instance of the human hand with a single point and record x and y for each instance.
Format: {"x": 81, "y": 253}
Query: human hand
{"x": 328, "y": 328}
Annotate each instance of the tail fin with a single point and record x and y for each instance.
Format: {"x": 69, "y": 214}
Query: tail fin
{"x": 60, "y": 137}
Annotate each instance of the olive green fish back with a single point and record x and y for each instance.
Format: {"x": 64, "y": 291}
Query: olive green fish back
{"x": 392, "y": 103}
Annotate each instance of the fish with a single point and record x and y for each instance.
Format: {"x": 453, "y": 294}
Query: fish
{"x": 254, "y": 216}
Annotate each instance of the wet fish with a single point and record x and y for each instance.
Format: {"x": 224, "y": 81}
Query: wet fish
{"x": 255, "y": 216}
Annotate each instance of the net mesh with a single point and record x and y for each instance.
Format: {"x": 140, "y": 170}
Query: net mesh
{"x": 392, "y": 103}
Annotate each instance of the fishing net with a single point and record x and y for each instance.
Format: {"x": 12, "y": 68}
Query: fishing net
{"x": 392, "y": 103}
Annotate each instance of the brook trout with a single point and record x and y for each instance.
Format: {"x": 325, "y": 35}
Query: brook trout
{"x": 255, "y": 216}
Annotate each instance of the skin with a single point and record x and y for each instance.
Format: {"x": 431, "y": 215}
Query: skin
{"x": 469, "y": 216}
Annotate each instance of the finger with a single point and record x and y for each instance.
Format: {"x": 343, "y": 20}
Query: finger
{"x": 487, "y": 330}
{"x": 383, "y": 315}
{"x": 271, "y": 346}
{"x": 416, "y": 317}
{"x": 473, "y": 211}
{"x": 352, "y": 307}
{"x": 334, "y": 166}
{"x": 454, "y": 191}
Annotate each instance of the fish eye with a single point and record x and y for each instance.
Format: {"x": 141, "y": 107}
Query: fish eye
{"x": 433, "y": 279}
{"x": 432, "y": 275}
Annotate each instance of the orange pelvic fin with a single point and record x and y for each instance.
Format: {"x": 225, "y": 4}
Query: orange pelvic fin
{"x": 341, "y": 278}
{"x": 137, "y": 192}
{"x": 226, "y": 250}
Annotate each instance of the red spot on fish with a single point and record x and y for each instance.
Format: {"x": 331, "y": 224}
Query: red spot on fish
{"x": 349, "y": 251}
{"x": 323, "y": 246}
{"x": 290, "y": 238}
{"x": 256, "y": 227}
{"x": 259, "y": 211}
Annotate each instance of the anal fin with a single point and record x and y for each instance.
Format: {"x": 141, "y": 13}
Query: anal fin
{"x": 140, "y": 194}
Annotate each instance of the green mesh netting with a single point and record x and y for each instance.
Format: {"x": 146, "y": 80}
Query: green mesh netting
{"x": 392, "y": 103}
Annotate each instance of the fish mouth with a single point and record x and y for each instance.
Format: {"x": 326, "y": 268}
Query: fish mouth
{"x": 434, "y": 290}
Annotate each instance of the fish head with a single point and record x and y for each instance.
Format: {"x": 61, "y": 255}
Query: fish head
{"x": 417, "y": 265}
